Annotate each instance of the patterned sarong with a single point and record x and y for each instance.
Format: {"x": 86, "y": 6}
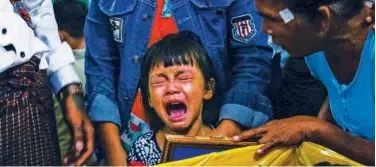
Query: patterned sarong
{"x": 27, "y": 121}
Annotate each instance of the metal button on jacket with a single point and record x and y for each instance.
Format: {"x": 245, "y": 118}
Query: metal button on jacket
{"x": 145, "y": 17}
{"x": 136, "y": 59}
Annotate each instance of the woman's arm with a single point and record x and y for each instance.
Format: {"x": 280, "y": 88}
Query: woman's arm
{"x": 353, "y": 147}
{"x": 295, "y": 130}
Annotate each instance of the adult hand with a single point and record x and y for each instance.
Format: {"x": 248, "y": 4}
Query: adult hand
{"x": 227, "y": 128}
{"x": 81, "y": 128}
{"x": 285, "y": 132}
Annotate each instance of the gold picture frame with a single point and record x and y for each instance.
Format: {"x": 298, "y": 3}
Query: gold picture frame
{"x": 197, "y": 145}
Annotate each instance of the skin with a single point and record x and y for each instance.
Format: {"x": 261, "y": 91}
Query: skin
{"x": 342, "y": 41}
{"x": 81, "y": 128}
{"x": 184, "y": 84}
{"x": 74, "y": 43}
{"x": 325, "y": 113}
{"x": 227, "y": 128}
{"x": 111, "y": 145}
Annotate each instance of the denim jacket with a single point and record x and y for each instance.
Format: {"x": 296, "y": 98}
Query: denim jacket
{"x": 117, "y": 33}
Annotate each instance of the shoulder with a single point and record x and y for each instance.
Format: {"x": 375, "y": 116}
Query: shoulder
{"x": 116, "y": 7}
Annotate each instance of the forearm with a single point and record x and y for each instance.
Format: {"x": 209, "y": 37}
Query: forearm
{"x": 71, "y": 96}
{"x": 228, "y": 128}
{"x": 353, "y": 147}
{"x": 110, "y": 144}
{"x": 325, "y": 113}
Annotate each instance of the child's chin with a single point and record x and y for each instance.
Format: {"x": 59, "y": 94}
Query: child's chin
{"x": 179, "y": 126}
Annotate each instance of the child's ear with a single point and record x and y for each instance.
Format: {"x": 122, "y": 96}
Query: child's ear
{"x": 209, "y": 89}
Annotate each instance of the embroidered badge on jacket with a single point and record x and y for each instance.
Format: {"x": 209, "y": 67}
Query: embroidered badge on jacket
{"x": 243, "y": 28}
{"x": 117, "y": 28}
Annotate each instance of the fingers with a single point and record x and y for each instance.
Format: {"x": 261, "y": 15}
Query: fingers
{"x": 268, "y": 146}
{"x": 77, "y": 146}
{"x": 89, "y": 143}
{"x": 268, "y": 137}
{"x": 250, "y": 134}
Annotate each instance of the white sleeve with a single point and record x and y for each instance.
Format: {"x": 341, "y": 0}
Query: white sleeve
{"x": 60, "y": 59}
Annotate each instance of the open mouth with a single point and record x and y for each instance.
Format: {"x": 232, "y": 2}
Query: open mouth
{"x": 176, "y": 111}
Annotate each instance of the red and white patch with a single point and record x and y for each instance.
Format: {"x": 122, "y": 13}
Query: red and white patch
{"x": 243, "y": 28}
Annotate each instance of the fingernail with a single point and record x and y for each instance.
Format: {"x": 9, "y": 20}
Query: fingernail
{"x": 259, "y": 151}
{"x": 236, "y": 138}
{"x": 79, "y": 145}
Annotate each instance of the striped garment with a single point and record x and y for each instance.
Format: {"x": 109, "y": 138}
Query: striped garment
{"x": 27, "y": 122}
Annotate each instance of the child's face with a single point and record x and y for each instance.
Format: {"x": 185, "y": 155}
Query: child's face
{"x": 176, "y": 94}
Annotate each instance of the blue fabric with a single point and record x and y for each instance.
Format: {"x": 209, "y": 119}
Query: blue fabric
{"x": 241, "y": 66}
{"x": 244, "y": 115}
{"x": 100, "y": 104}
{"x": 352, "y": 105}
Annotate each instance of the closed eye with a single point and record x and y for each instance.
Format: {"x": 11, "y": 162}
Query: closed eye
{"x": 184, "y": 78}
{"x": 158, "y": 81}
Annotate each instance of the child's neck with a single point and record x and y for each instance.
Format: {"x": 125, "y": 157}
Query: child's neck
{"x": 197, "y": 129}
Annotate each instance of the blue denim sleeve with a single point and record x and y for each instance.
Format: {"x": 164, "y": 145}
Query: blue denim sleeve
{"x": 101, "y": 67}
{"x": 246, "y": 102}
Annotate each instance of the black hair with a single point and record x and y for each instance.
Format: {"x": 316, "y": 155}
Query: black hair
{"x": 70, "y": 16}
{"x": 183, "y": 48}
{"x": 307, "y": 9}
